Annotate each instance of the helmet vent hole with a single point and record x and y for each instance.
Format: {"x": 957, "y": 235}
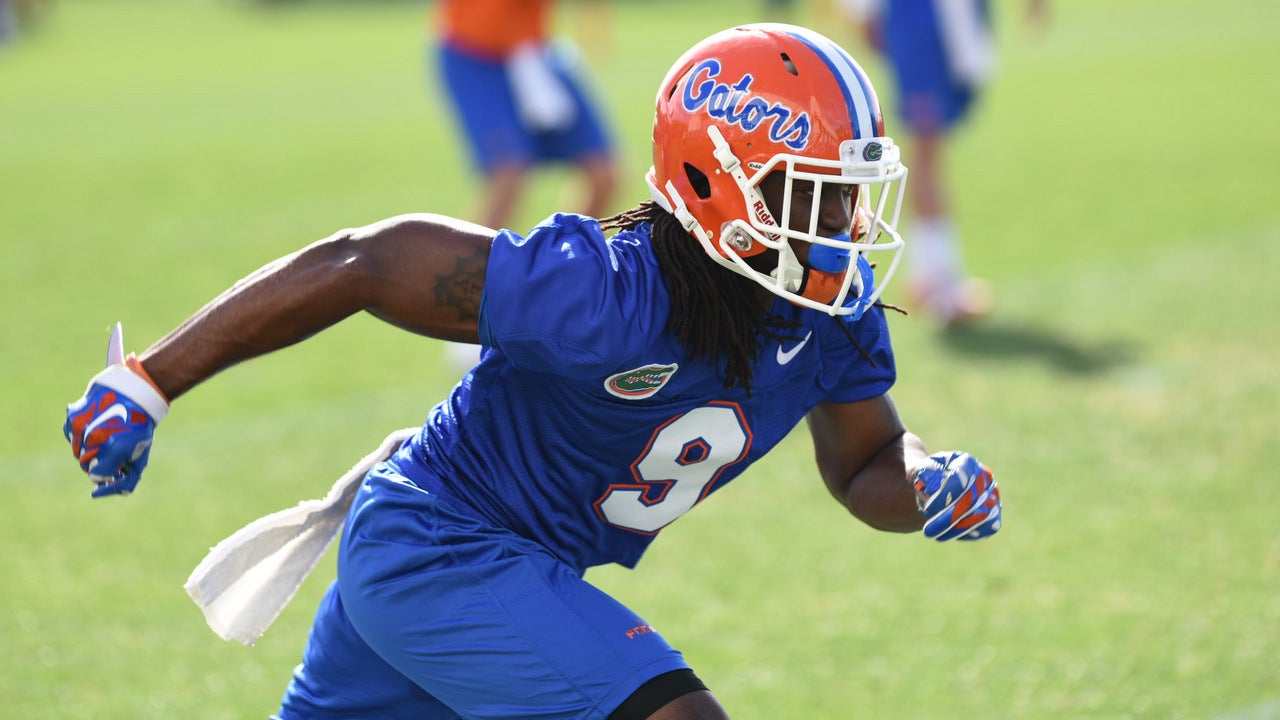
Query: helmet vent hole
{"x": 675, "y": 85}
{"x": 791, "y": 67}
{"x": 698, "y": 181}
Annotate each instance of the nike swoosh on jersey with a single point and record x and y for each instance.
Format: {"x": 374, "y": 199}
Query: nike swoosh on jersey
{"x": 785, "y": 356}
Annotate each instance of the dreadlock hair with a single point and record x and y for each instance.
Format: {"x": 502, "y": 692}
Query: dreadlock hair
{"x": 715, "y": 314}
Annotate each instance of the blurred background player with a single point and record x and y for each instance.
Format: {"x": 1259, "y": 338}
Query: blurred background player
{"x": 941, "y": 55}
{"x": 7, "y": 21}
{"x": 520, "y": 99}
{"x": 779, "y": 10}
{"x": 20, "y": 15}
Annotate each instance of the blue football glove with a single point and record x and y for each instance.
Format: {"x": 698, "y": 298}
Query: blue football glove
{"x": 957, "y": 496}
{"x": 111, "y": 426}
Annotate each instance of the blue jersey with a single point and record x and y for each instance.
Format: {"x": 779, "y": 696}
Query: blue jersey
{"x": 586, "y": 427}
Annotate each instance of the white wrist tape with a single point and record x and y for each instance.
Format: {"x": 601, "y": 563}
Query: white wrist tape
{"x": 132, "y": 385}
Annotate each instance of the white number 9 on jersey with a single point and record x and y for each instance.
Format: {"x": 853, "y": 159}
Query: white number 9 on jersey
{"x": 677, "y": 469}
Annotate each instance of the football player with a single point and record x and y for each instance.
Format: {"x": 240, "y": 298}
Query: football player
{"x": 632, "y": 366}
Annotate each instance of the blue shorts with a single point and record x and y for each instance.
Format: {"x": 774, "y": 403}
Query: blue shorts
{"x": 929, "y": 100}
{"x": 437, "y": 614}
{"x": 480, "y": 91}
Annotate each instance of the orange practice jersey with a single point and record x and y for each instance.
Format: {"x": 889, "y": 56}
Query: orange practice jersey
{"x": 493, "y": 27}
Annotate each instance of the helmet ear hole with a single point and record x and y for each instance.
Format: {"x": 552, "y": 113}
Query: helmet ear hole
{"x": 698, "y": 181}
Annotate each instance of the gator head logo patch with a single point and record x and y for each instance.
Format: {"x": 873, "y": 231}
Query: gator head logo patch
{"x": 641, "y": 382}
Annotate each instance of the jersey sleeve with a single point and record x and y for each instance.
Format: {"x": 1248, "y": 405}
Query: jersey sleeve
{"x": 870, "y": 372}
{"x": 565, "y": 299}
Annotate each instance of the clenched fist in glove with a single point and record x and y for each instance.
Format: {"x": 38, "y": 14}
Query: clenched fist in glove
{"x": 111, "y": 426}
{"x": 957, "y": 496}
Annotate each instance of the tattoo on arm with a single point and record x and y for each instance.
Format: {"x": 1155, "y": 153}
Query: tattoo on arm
{"x": 461, "y": 289}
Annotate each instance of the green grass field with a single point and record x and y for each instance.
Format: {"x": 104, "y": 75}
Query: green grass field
{"x": 1118, "y": 186}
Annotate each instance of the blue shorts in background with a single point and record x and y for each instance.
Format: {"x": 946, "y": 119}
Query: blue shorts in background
{"x": 929, "y": 99}
{"x": 480, "y": 91}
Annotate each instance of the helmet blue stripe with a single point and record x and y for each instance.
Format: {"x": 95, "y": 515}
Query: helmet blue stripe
{"x": 858, "y": 95}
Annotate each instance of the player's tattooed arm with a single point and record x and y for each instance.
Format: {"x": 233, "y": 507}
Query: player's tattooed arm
{"x": 423, "y": 273}
{"x": 462, "y": 288}
{"x": 427, "y": 273}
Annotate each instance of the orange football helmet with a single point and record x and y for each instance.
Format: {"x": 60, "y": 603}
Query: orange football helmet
{"x": 756, "y": 99}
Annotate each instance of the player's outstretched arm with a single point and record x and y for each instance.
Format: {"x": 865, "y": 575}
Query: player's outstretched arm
{"x": 423, "y": 273}
{"x": 881, "y": 473}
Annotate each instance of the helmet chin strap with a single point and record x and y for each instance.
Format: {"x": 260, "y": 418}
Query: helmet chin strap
{"x": 793, "y": 273}
{"x": 730, "y": 163}
{"x": 669, "y": 199}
